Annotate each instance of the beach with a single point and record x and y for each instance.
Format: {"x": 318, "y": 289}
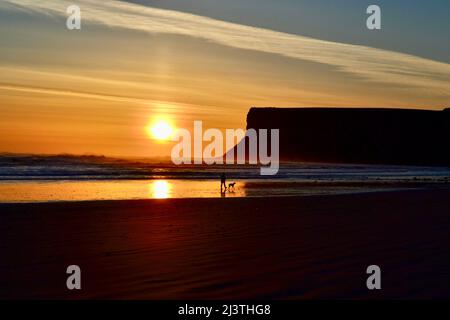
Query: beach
{"x": 295, "y": 247}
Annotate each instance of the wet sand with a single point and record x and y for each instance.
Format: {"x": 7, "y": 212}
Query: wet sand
{"x": 314, "y": 247}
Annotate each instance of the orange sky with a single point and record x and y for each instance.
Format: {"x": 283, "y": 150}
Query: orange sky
{"x": 96, "y": 90}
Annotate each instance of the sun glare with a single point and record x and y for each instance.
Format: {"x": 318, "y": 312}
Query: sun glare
{"x": 160, "y": 189}
{"x": 160, "y": 130}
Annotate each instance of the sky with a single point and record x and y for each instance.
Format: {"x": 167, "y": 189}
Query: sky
{"x": 95, "y": 90}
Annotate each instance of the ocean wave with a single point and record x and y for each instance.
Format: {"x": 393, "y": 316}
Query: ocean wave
{"x": 90, "y": 167}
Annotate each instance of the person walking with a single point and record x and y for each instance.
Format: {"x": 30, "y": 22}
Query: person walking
{"x": 223, "y": 180}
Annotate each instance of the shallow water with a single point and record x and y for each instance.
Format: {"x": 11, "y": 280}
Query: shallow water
{"x": 78, "y": 178}
{"x": 32, "y": 191}
{"x": 46, "y": 191}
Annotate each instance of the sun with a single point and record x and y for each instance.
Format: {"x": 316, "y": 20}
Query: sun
{"x": 160, "y": 130}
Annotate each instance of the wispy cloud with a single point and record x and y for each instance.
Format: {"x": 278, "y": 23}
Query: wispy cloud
{"x": 368, "y": 63}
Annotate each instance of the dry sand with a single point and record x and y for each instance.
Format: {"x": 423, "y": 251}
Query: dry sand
{"x": 281, "y": 248}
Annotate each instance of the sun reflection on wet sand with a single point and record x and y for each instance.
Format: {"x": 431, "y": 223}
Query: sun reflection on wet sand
{"x": 160, "y": 189}
{"x": 115, "y": 190}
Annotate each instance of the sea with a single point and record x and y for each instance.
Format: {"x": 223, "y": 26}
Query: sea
{"x": 44, "y": 178}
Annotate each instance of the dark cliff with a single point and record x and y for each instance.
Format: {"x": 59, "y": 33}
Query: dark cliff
{"x": 349, "y": 135}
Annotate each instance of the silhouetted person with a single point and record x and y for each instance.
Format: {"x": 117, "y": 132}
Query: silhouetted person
{"x": 223, "y": 180}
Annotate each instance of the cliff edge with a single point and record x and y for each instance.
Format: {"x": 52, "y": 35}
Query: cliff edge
{"x": 358, "y": 135}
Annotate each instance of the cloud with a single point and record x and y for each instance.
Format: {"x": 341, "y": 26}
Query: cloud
{"x": 368, "y": 63}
